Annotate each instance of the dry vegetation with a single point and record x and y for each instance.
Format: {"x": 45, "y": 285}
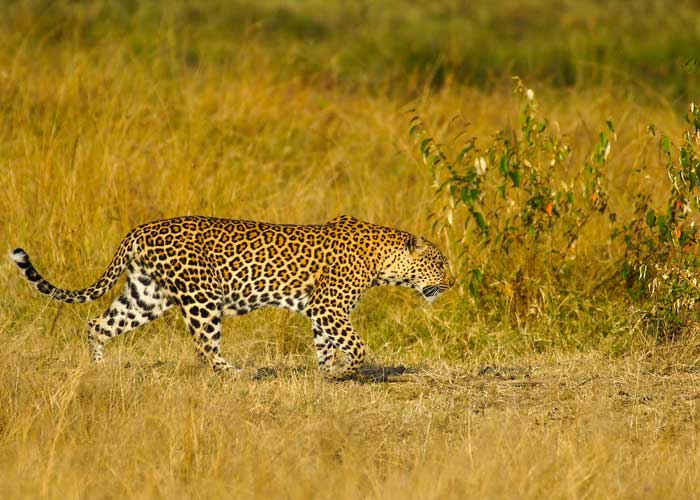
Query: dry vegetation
{"x": 107, "y": 122}
{"x": 550, "y": 425}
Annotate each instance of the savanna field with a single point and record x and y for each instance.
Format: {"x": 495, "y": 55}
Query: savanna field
{"x": 565, "y": 364}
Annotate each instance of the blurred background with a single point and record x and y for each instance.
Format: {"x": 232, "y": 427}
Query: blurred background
{"x": 386, "y": 46}
{"x": 115, "y": 113}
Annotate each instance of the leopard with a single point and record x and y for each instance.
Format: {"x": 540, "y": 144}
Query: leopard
{"x": 213, "y": 267}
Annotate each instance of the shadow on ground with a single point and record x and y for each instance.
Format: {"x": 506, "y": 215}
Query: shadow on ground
{"x": 367, "y": 374}
{"x": 372, "y": 373}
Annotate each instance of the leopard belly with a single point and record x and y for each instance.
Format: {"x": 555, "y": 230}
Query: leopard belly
{"x": 238, "y": 303}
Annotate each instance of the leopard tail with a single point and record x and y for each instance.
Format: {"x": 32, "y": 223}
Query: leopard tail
{"x": 116, "y": 268}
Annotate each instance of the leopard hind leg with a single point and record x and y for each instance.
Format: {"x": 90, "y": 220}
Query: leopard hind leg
{"x": 142, "y": 300}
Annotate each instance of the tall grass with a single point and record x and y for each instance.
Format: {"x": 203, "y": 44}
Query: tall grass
{"x": 390, "y": 44}
{"x": 113, "y": 114}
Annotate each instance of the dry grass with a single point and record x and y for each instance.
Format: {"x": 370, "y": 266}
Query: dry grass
{"x": 97, "y": 138}
{"x": 152, "y": 423}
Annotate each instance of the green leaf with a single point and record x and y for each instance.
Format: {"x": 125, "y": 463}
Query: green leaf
{"x": 651, "y": 218}
{"x": 453, "y": 191}
{"x": 666, "y": 144}
{"x": 626, "y": 271}
{"x": 503, "y": 166}
{"x": 475, "y": 282}
{"x": 464, "y": 152}
{"x": 515, "y": 177}
{"x": 663, "y": 228}
{"x": 480, "y": 221}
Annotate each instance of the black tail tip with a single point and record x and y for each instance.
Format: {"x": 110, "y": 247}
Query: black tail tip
{"x": 19, "y": 256}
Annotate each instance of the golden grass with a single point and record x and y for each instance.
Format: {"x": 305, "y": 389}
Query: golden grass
{"x": 93, "y": 142}
{"x": 152, "y": 423}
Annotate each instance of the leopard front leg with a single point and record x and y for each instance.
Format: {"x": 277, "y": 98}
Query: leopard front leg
{"x": 204, "y": 322}
{"x": 325, "y": 351}
{"x": 332, "y": 332}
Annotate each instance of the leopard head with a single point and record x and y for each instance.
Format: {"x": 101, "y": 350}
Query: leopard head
{"x": 420, "y": 265}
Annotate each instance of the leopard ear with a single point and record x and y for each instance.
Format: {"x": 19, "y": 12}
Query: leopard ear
{"x": 415, "y": 244}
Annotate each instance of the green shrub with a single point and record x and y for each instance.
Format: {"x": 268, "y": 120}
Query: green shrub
{"x": 517, "y": 203}
{"x": 660, "y": 264}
